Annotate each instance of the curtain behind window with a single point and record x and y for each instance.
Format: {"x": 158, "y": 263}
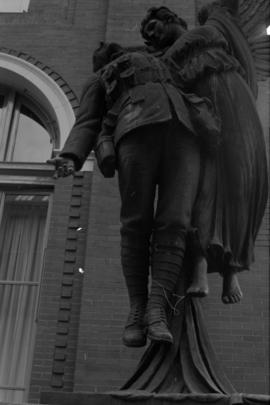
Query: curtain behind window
{"x": 21, "y": 252}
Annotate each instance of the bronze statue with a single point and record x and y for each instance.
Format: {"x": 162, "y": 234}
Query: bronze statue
{"x": 215, "y": 61}
{"x": 136, "y": 112}
{"x": 133, "y": 99}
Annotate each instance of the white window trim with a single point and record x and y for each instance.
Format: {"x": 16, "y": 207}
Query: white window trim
{"x": 36, "y": 84}
{"x": 14, "y": 6}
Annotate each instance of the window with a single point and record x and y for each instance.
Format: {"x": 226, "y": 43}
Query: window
{"x": 35, "y": 118}
{"x": 14, "y": 6}
{"x": 26, "y": 132}
{"x": 22, "y": 237}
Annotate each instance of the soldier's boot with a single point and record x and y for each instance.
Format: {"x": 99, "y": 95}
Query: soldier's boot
{"x": 134, "y": 334}
{"x": 158, "y": 325}
{"x": 136, "y": 271}
{"x": 166, "y": 266}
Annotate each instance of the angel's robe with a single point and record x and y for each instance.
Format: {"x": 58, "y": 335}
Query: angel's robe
{"x": 233, "y": 191}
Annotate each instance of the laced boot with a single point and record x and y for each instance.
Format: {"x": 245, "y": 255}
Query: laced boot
{"x": 166, "y": 265}
{"x": 135, "y": 329}
{"x": 135, "y": 263}
{"x": 158, "y": 325}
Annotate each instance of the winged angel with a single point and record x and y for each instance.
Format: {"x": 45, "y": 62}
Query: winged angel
{"x": 223, "y": 59}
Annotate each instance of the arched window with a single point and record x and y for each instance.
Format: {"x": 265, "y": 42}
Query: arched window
{"x": 24, "y": 84}
{"x": 35, "y": 118}
{"x": 27, "y": 132}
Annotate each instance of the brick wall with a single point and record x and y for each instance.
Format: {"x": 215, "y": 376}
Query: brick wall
{"x": 60, "y": 295}
{"x": 61, "y": 34}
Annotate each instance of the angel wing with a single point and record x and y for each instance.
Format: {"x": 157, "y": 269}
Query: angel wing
{"x": 253, "y": 18}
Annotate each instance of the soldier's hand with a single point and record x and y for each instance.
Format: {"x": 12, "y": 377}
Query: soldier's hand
{"x": 63, "y": 166}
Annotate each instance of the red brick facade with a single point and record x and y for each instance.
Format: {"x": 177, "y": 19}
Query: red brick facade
{"x": 81, "y": 315}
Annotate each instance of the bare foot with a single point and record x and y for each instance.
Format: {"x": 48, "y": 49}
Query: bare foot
{"x": 199, "y": 284}
{"x": 231, "y": 292}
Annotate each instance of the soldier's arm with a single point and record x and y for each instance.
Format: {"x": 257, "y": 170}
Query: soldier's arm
{"x": 84, "y": 133}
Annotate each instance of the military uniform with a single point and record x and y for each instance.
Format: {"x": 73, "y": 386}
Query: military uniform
{"x": 157, "y": 156}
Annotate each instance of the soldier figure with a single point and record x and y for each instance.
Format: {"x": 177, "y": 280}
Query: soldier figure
{"x": 158, "y": 156}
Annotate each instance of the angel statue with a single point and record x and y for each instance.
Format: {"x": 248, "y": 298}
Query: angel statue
{"x": 222, "y": 60}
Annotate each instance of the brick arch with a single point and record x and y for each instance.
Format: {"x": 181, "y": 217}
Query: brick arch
{"x": 71, "y": 96}
{"x": 43, "y": 85}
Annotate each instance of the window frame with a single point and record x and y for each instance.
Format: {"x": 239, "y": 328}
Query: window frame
{"x": 9, "y": 120}
{"x": 20, "y": 188}
{"x": 50, "y": 93}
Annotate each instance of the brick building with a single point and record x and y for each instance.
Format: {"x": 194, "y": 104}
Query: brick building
{"x": 63, "y": 299}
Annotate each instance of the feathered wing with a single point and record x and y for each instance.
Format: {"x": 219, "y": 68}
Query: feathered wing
{"x": 254, "y": 18}
{"x": 260, "y": 48}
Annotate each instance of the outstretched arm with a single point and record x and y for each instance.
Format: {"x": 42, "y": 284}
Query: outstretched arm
{"x": 83, "y": 135}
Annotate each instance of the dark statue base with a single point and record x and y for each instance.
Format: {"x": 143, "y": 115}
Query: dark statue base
{"x": 144, "y": 398}
{"x": 185, "y": 373}
{"x": 189, "y": 366}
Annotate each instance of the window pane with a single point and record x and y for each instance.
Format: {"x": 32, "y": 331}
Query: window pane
{"x": 13, "y": 6}
{"x": 22, "y": 232}
{"x": 17, "y": 333}
{"x": 2, "y": 100}
{"x": 21, "y": 237}
{"x": 32, "y": 140}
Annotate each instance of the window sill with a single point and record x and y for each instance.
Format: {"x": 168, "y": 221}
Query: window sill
{"x": 25, "y": 168}
{"x": 32, "y": 173}
{"x": 26, "y": 173}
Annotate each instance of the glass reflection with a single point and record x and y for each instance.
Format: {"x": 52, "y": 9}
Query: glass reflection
{"x": 32, "y": 139}
{"x": 2, "y": 99}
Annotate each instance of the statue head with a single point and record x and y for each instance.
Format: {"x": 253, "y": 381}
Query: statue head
{"x": 161, "y": 27}
{"x": 106, "y": 53}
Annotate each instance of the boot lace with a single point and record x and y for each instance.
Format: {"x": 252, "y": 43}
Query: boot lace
{"x": 157, "y": 315}
{"x": 136, "y": 315}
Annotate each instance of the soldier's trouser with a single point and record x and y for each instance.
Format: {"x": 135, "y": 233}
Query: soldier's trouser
{"x": 161, "y": 161}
